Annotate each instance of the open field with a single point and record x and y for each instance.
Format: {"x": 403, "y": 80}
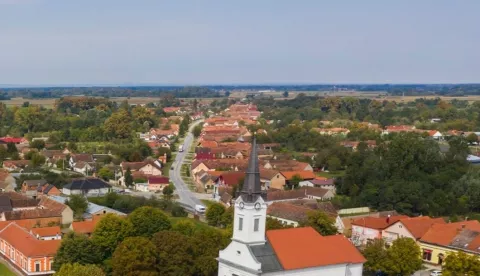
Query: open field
{"x": 5, "y": 271}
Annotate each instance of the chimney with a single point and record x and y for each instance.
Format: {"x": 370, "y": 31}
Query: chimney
{"x": 388, "y": 219}
{"x": 463, "y": 226}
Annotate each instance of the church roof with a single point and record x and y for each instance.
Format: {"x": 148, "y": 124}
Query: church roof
{"x": 266, "y": 256}
{"x": 252, "y": 188}
{"x": 299, "y": 248}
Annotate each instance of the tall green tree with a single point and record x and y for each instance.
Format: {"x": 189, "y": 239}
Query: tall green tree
{"x": 119, "y": 125}
{"x": 135, "y": 256}
{"x": 77, "y": 249}
{"x": 321, "y": 222}
{"x": 175, "y": 253}
{"x": 110, "y": 231}
{"x": 460, "y": 263}
{"x": 214, "y": 213}
{"x": 147, "y": 221}
{"x": 128, "y": 178}
{"x": 78, "y": 204}
{"x": 77, "y": 269}
{"x": 376, "y": 255}
{"x": 403, "y": 257}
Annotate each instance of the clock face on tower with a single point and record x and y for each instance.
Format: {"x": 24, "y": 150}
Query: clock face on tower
{"x": 242, "y": 205}
{"x": 257, "y": 206}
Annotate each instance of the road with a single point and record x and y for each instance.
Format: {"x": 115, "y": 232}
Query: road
{"x": 186, "y": 197}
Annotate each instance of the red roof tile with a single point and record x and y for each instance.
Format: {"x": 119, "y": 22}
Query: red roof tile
{"x": 443, "y": 234}
{"x": 298, "y": 248}
{"x": 47, "y": 231}
{"x": 303, "y": 174}
{"x": 377, "y": 223}
{"x": 26, "y": 243}
{"x": 158, "y": 180}
{"x": 418, "y": 226}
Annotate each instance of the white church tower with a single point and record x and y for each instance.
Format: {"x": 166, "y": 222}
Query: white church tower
{"x": 249, "y": 225}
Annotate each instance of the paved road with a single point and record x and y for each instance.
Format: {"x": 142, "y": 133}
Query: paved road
{"x": 187, "y": 197}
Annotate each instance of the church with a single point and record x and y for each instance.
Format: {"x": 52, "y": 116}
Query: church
{"x": 294, "y": 251}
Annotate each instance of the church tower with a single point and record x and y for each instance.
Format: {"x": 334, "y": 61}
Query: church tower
{"x": 249, "y": 224}
{"x": 250, "y": 207}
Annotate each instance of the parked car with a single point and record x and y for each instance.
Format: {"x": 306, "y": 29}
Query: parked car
{"x": 436, "y": 273}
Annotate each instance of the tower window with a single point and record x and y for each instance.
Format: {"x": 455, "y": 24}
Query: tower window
{"x": 240, "y": 224}
{"x": 256, "y": 223}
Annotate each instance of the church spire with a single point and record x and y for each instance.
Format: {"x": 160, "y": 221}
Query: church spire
{"x": 252, "y": 188}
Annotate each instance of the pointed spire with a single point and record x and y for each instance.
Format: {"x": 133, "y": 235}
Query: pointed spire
{"x": 251, "y": 185}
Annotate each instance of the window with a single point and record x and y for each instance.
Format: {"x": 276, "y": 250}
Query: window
{"x": 37, "y": 266}
{"x": 256, "y": 224}
{"x": 51, "y": 264}
{"x": 240, "y": 224}
{"x": 427, "y": 254}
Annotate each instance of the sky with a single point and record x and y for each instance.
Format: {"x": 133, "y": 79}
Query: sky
{"x": 188, "y": 42}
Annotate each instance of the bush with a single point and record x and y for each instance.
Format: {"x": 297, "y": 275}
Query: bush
{"x": 178, "y": 211}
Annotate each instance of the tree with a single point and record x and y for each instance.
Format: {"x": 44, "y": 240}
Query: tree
{"x": 376, "y": 255}
{"x": 214, "y": 214}
{"x": 128, "y": 178}
{"x": 77, "y": 269}
{"x": 135, "y": 256}
{"x": 106, "y": 174}
{"x": 28, "y": 117}
{"x": 187, "y": 171}
{"x": 197, "y": 130}
{"x": 472, "y": 138}
{"x": 285, "y": 94}
{"x": 168, "y": 192}
{"x": 178, "y": 211}
{"x": 334, "y": 163}
{"x": 294, "y": 181}
{"x": 110, "y": 231}
{"x": 38, "y": 144}
{"x": 175, "y": 253}
{"x": 147, "y": 221}
{"x": 77, "y": 249}
{"x": 460, "y": 263}
{"x": 78, "y": 204}
{"x": 119, "y": 125}
{"x": 321, "y": 222}
{"x": 37, "y": 160}
{"x": 186, "y": 227}
{"x": 403, "y": 257}
{"x": 11, "y": 148}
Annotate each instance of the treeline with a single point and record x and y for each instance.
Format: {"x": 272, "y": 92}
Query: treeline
{"x": 134, "y": 91}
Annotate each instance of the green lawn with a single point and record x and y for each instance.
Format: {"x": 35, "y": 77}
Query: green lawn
{"x": 4, "y": 271}
{"x": 331, "y": 174}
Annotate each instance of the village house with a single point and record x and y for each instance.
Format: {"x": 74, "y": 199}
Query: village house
{"x": 157, "y": 183}
{"x": 33, "y": 188}
{"x": 301, "y": 193}
{"x": 285, "y": 165}
{"x": 15, "y": 165}
{"x": 60, "y": 208}
{"x": 14, "y": 140}
{"x": 319, "y": 182}
{"x": 332, "y": 131}
{"x": 7, "y": 181}
{"x": 86, "y": 186}
{"x": 272, "y": 179}
{"x": 47, "y": 233}
{"x": 442, "y": 239}
{"x": 80, "y": 157}
{"x": 413, "y": 228}
{"x": 290, "y": 177}
{"x": 398, "y": 128}
{"x": 354, "y": 144}
{"x": 85, "y": 227}
{"x": 366, "y": 229}
{"x": 147, "y": 167}
{"x": 30, "y": 255}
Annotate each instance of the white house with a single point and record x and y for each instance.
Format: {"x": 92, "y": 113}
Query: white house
{"x": 413, "y": 228}
{"x": 86, "y": 186}
{"x": 294, "y": 251}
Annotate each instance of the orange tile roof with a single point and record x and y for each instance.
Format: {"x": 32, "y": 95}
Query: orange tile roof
{"x": 303, "y": 174}
{"x": 298, "y": 248}
{"x": 208, "y": 144}
{"x": 418, "y": 226}
{"x": 85, "y": 227}
{"x": 443, "y": 234}
{"x": 47, "y": 231}
{"x": 26, "y": 243}
{"x": 377, "y": 223}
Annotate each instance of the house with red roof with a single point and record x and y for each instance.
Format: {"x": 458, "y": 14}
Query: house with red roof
{"x": 442, "y": 239}
{"x": 15, "y": 140}
{"x": 413, "y": 228}
{"x": 157, "y": 183}
{"x": 295, "y": 251}
{"x": 365, "y": 229}
{"x": 29, "y": 254}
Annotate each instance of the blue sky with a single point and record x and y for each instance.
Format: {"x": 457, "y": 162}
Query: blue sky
{"x": 58, "y": 42}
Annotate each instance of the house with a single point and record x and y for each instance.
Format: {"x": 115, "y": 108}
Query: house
{"x": 171, "y": 109}
{"x": 141, "y": 187}
{"x": 86, "y": 186}
{"x": 157, "y": 183}
{"x": 32, "y": 188}
{"x": 15, "y": 165}
{"x": 147, "y": 167}
{"x": 47, "y": 233}
{"x": 301, "y": 175}
{"x": 28, "y": 254}
{"x": 413, "y": 228}
{"x": 396, "y": 129}
{"x": 354, "y": 144}
{"x": 81, "y": 157}
{"x": 95, "y": 210}
{"x": 286, "y": 165}
{"x": 302, "y": 193}
{"x": 272, "y": 179}
{"x": 7, "y": 181}
{"x": 442, "y": 239}
{"x": 288, "y": 214}
{"x": 435, "y": 134}
{"x": 33, "y": 217}
{"x": 83, "y": 167}
{"x": 15, "y": 140}
{"x": 85, "y": 227}
{"x": 332, "y": 131}
{"x": 319, "y": 182}
{"x": 57, "y": 206}
{"x": 294, "y": 251}
{"x": 369, "y": 228}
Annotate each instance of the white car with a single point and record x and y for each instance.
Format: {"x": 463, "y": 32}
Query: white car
{"x": 436, "y": 273}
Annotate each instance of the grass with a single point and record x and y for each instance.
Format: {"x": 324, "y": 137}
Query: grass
{"x": 334, "y": 174}
{"x": 5, "y": 271}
